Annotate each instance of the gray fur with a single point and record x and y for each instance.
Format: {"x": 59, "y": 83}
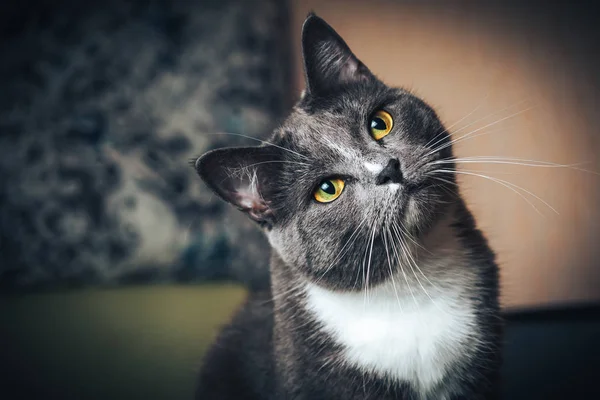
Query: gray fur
{"x": 344, "y": 246}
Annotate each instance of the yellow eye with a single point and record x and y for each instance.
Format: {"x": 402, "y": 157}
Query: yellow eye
{"x": 329, "y": 190}
{"x": 381, "y": 124}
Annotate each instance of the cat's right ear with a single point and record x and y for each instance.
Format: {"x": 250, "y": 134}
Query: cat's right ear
{"x": 244, "y": 177}
{"x": 328, "y": 61}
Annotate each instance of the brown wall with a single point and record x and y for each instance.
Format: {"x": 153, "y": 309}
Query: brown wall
{"x": 459, "y": 58}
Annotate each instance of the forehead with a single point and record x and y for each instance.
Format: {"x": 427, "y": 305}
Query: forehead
{"x": 329, "y": 127}
{"x": 321, "y": 122}
{"x": 351, "y": 100}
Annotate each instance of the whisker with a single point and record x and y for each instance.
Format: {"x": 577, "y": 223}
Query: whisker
{"x": 410, "y": 237}
{"x": 419, "y": 269}
{"x": 465, "y": 136}
{"x": 345, "y": 248}
{"x": 484, "y": 118}
{"x": 369, "y": 264}
{"x": 470, "y": 136}
{"x": 406, "y": 249}
{"x": 273, "y": 161}
{"x": 387, "y": 253}
{"x": 509, "y": 185}
{"x": 444, "y": 180}
{"x": 413, "y": 262}
{"x": 459, "y": 121}
{"x": 364, "y": 262}
{"x": 514, "y": 161}
{"x": 258, "y": 140}
{"x": 399, "y": 257}
{"x": 486, "y": 171}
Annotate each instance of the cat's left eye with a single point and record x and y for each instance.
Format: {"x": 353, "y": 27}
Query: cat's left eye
{"x": 329, "y": 190}
{"x": 381, "y": 124}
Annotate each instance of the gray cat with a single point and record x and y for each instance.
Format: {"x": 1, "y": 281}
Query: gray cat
{"x": 381, "y": 285}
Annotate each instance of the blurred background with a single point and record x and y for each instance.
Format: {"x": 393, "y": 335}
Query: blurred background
{"x": 117, "y": 266}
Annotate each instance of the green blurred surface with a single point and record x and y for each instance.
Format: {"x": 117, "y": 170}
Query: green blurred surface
{"x": 136, "y": 342}
{"x": 147, "y": 343}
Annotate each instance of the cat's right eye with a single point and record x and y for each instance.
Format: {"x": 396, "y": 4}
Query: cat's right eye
{"x": 329, "y": 190}
{"x": 381, "y": 124}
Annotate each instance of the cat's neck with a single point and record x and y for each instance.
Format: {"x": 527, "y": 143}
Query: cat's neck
{"x": 410, "y": 328}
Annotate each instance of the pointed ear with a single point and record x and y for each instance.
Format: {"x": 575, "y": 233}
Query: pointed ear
{"x": 244, "y": 177}
{"x": 328, "y": 61}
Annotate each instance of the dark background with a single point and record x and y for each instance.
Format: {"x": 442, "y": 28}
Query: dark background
{"x": 102, "y": 105}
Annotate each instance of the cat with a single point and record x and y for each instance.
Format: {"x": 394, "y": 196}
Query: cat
{"x": 382, "y": 287}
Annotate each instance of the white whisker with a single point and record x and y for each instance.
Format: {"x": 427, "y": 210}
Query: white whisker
{"x": 411, "y": 259}
{"x": 277, "y": 161}
{"x": 399, "y": 257}
{"x": 465, "y": 136}
{"x": 387, "y": 253}
{"x": 345, "y": 248}
{"x": 483, "y": 119}
{"x": 369, "y": 264}
{"x": 513, "y": 161}
{"x": 457, "y": 122}
{"x": 515, "y": 188}
{"x": 259, "y": 140}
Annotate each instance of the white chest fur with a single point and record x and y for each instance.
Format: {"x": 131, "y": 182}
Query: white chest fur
{"x": 414, "y": 339}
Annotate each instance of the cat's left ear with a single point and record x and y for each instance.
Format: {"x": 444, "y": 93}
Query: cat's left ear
{"x": 244, "y": 177}
{"x": 328, "y": 61}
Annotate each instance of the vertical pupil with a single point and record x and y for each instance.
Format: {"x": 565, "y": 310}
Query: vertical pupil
{"x": 328, "y": 187}
{"x": 379, "y": 124}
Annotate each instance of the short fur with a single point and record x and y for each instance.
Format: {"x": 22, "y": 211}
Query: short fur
{"x": 388, "y": 292}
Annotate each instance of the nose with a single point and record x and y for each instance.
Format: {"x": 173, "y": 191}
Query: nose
{"x": 390, "y": 174}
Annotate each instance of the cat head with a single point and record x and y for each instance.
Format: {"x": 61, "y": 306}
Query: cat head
{"x": 347, "y": 180}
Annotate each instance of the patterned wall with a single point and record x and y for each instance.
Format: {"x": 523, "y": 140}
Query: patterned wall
{"x": 102, "y": 105}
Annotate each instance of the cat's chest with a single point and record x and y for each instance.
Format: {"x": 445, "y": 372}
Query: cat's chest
{"x": 414, "y": 339}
